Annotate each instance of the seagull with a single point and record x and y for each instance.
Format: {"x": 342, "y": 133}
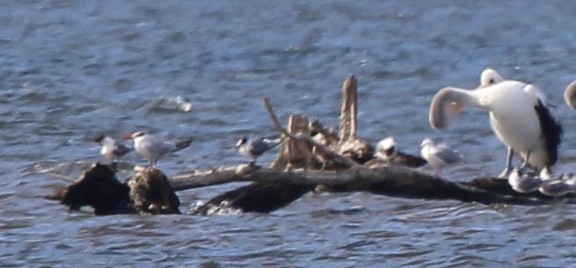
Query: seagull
{"x": 111, "y": 149}
{"x": 439, "y": 155}
{"x": 556, "y": 187}
{"x": 518, "y": 116}
{"x": 523, "y": 183}
{"x": 152, "y": 148}
{"x": 253, "y": 148}
{"x": 386, "y": 149}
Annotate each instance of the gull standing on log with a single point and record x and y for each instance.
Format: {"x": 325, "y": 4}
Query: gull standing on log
{"x": 386, "y": 149}
{"x": 111, "y": 149}
{"x": 152, "y": 148}
{"x": 518, "y": 116}
{"x": 255, "y": 147}
{"x": 439, "y": 155}
{"x": 523, "y": 183}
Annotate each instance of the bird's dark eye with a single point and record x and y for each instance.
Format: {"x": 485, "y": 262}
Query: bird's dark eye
{"x": 491, "y": 81}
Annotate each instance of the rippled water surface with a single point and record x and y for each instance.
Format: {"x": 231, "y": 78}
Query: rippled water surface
{"x": 71, "y": 69}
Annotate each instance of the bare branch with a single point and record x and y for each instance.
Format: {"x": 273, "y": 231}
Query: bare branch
{"x": 325, "y": 150}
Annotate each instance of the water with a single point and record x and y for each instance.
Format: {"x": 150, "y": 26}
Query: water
{"x": 71, "y": 69}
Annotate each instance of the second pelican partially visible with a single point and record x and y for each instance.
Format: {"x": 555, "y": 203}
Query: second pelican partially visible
{"x": 518, "y": 116}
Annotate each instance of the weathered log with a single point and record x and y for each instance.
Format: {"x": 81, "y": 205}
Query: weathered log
{"x": 392, "y": 180}
{"x": 99, "y": 188}
{"x": 148, "y": 191}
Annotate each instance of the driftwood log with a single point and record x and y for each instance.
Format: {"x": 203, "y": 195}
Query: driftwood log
{"x": 148, "y": 191}
{"x": 311, "y": 158}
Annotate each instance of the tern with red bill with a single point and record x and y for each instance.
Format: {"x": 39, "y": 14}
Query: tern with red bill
{"x": 152, "y": 148}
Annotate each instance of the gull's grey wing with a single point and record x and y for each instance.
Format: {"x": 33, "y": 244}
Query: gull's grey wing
{"x": 121, "y": 149}
{"x": 259, "y": 146}
{"x": 447, "y": 155}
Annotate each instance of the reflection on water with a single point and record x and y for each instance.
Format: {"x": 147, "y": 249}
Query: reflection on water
{"x": 71, "y": 69}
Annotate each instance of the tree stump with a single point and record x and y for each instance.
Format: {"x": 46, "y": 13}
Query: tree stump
{"x": 151, "y": 192}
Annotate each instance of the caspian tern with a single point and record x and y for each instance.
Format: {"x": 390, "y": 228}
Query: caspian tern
{"x": 254, "y": 148}
{"x": 518, "y": 114}
{"x": 111, "y": 149}
{"x": 151, "y": 148}
{"x": 439, "y": 155}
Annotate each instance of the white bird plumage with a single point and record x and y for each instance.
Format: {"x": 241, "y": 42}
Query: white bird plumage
{"x": 523, "y": 183}
{"x": 570, "y": 95}
{"x": 151, "y": 148}
{"x": 111, "y": 149}
{"x": 254, "y": 148}
{"x": 439, "y": 155}
{"x": 386, "y": 149}
{"x": 518, "y": 117}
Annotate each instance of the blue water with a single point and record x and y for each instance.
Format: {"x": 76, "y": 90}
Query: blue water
{"x": 72, "y": 69}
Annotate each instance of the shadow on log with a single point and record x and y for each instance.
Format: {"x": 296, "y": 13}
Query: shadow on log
{"x": 262, "y": 197}
{"x": 148, "y": 191}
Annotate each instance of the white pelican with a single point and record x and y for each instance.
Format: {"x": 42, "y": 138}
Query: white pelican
{"x": 439, "y": 155}
{"x": 386, "y": 149}
{"x": 570, "y": 95}
{"x": 518, "y": 116}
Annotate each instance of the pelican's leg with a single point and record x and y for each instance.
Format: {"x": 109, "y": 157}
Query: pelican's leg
{"x": 506, "y": 172}
{"x": 525, "y": 164}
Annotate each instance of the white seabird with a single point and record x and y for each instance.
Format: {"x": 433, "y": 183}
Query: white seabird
{"x": 152, "y": 148}
{"x": 111, "y": 149}
{"x": 386, "y": 149}
{"x": 439, "y": 155}
{"x": 253, "y": 148}
{"x": 523, "y": 183}
{"x": 518, "y": 116}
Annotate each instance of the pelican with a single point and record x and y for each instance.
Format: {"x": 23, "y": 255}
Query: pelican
{"x": 518, "y": 117}
{"x": 439, "y": 155}
{"x": 570, "y": 95}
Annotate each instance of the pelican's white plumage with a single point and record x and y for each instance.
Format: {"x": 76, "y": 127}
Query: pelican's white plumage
{"x": 570, "y": 95}
{"x": 518, "y": 117}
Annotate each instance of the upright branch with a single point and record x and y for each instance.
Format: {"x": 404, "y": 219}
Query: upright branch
{"x": 348, "y": 113}
{"x": 324, "y": 149}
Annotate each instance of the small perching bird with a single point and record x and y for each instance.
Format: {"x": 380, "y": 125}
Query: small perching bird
{"x": 254, "y": 148}
{"x": 439, "y": 155}
{"x": 152, "y": 148}
{"x": 518, "y": 115}
{"x": 386, "y": 149}
{"x": 523, "y": 183}
{"x": 111, "y": 149}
